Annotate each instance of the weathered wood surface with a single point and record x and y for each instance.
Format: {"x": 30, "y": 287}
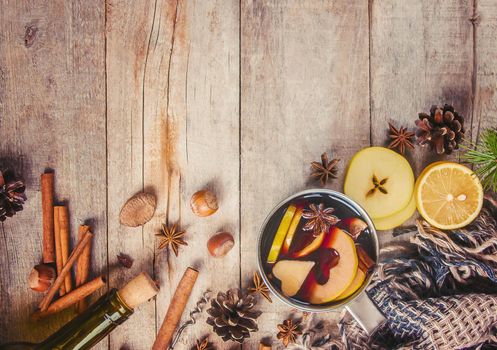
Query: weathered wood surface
{"x": 304, "y": 92}
{"x": 485, "y": 22}
{"x": 52, "y": 115}
{"x": 128, "y": 31}
{"x": 171, "y": 96}
{"x": 414, "y": 65}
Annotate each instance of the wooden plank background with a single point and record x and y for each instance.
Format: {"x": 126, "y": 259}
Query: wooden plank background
{"x": 171, "y": 96}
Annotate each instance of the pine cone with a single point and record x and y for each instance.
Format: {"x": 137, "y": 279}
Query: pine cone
{"x": 12, "y": 195}
{"x": 232, "y": 318}
{"x": 443, "y": 129}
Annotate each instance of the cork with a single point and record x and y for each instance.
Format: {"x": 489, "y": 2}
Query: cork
{"x": 138, "y": 290}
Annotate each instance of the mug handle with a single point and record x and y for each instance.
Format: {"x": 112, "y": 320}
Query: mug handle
{"x": 366, "y": 313}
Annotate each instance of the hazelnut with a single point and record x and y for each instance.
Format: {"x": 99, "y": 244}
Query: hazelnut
{"x": 41, "y": 277}
{"x": 203, "y": 203}
{"x": 220, "y": 244}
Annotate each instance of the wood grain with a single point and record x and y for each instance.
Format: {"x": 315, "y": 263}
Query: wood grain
{"x": 179, "y": 85}
{"x": 174, "y": 96}
{"x": 127, "y": 33}
{"x": 191, "y": 142}
{"x": 52, "y": 115}
{"x": 414, "y": 65}
{"x": 421, "y": 55}
{"x": 304, "y": 78}
{"x": 485, "y": 23}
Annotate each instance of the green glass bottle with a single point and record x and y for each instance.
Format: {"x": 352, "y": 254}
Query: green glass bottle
{"x": 88, "y": 328}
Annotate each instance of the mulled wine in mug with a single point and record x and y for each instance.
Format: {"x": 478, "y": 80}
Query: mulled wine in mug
{"x": 317, "y": 251}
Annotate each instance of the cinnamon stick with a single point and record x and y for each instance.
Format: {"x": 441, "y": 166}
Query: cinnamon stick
{"x": 47, "y": 299}
{"x": 175, "y": 310}
{"x": 263, "y": 346}
{"x": 71, "y": 298}
{"x": 83, "y": 266}
{"x": 58, "y": 248}
{"x": 47, "y": 193}
{"x": 364, "y": 258}
{"x": 64, "y": 242}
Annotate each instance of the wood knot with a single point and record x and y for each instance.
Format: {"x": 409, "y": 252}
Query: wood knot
{"x": 475, "y": 19}
{"x": 30, "y": 35}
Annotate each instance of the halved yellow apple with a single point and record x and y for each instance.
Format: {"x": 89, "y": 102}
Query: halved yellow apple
{"x": 396, "y": 219}
{"x": 279, "y": 237}
{"x": 292, "y": 274}
{"x": 380, "y": 180}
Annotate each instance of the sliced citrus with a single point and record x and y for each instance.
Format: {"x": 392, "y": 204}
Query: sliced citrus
{"x": 291, "y": 231}
{"x": 280, "y": 235}
{"x": 448, "y": 195}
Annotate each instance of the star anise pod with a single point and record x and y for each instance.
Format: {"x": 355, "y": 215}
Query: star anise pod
{"x": 324, "y": 170}
{"x": 260, "y": 287}
{"x": 401, "y": 138}
{"x": 289, "y": 331}
{"x": 203, "y": 345}
{"x": 319, "y": 218}
{"x": 125, "y": 260}
{"x": 171, "y": 236}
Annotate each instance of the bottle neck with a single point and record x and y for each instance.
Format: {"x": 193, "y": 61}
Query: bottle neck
{"x": 88, "y": 328}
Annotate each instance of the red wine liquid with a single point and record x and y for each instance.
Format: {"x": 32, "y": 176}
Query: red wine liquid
{"x": 324, "y": 258}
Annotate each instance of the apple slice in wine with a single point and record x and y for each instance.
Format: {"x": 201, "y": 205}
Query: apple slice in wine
{"x": 354, "y": 226}
{"x": 292, "y": 274}
{"x": 340, "y": 276}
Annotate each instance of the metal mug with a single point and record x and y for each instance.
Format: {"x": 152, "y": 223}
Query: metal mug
{"x": 360, "y": 306}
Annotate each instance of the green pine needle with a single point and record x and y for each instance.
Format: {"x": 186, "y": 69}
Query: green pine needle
{"x": 484, "y": 157}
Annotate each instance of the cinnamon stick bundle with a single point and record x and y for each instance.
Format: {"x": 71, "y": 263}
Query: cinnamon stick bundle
{"x": 71, "y": 298}
{"x": 64, "y": 242}
{"x": 78, "y": 250}
{"x": 47, "y": 195}
{"x": 175, "y": 310}
{"x": 83, "y": 266}
{"x": 58, "y": 248}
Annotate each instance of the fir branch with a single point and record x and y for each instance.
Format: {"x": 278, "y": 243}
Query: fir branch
{"x": 483, "y": 156}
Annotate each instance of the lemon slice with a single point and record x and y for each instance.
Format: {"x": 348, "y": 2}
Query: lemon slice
{"x": 448, "y": 195}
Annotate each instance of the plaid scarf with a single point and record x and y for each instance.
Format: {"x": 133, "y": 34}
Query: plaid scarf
{"x": 441, "y": 294}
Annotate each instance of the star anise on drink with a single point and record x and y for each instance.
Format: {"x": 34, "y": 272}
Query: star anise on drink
{"x": 171, "y": 236}
{"x": 260, "y": 287}
{"x": 319, "y": 218}
{"x": 288, "y": 332}
{"x": 325, "y": 170}
{"x": 401, "y": 138}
